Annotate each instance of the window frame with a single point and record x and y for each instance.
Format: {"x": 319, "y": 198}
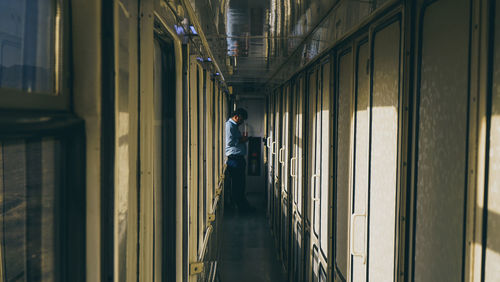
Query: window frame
{"x": 71, "y": 221}
{"x": 60, "y": 99}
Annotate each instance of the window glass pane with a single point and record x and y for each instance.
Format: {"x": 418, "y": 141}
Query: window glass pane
{"x": 311, "y": 135}
{"x": 442, "y": 153}
{"x": 28, "y": 37}
{"x": 209, "y": 126}
{"x": 201, "y": 160}
{"x": 492, "y": 257}
{"x": 194, "y": 230}
{"x": 360, "y": 188}
{"x": 158, "y": 90}
{"x": 300, "y": 149}
{"x": 343, "y": 160}
{"x": 295, "y": 139}
{"x": 325, "y": 159}
{"x": 277, "y": 129}
{"x": 317, "y": 152}
{"x": 29, "y": 179}
{"x": 384, "y": 152}
{"x": 285, "y": 131}
{"x": 125, "y": 145}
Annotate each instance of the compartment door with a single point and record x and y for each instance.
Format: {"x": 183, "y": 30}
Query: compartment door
{"x": 320, "y": 179}
{"x": 285, "y": 175}
{"x": 270, "y": 153}
{"x": 382, "y": 191}
{"x": 313, "y": 169}
{"x": 277, "y": 166}
{"x": 344, "y": 160}
{"x": 359, "y": 192}
{"x": 296, "y": 172}
{"x": 441, "y": 171}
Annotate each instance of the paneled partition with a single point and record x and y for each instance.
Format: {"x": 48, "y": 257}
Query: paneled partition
{"x": 335, "y": 146}
{"x": 385, "y": 149}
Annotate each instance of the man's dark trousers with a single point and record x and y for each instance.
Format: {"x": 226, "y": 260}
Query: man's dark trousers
{"x": 236, "y": 166}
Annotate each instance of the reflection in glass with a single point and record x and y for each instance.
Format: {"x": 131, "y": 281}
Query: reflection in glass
{"x": 29, "y": 179}
{"x": 124, "y": 102}
{"x": 28, "y": 44}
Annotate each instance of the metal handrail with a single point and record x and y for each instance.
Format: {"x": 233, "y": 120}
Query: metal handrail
{"x": 214, "y": 205}
{"x": 197, "y": 267}
{"x": 203, "y": 250}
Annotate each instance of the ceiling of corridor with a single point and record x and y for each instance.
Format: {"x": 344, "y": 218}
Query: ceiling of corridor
{"x": 263, "y": 42}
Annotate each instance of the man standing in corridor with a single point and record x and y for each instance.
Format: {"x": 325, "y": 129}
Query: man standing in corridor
{"x": 235, "y": 151}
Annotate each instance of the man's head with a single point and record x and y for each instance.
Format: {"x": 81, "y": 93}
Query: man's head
{"x": 240, "y": 115}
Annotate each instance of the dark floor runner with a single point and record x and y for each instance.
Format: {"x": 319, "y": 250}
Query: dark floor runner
{"x": 248, "y": 250}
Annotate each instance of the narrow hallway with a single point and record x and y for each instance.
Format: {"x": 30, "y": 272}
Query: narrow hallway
{"x": 248, "y": 250}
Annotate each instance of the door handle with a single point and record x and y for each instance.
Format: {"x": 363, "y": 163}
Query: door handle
{"x": 280, "y": 155}
{"x": 314, "y": 176}
{"x": 273, "y": 146}
{"x": 312, "y": 180}
{"x": 268, "y": 143}
{"x": 293, "y": 168}
{"x": 353, "y": 251}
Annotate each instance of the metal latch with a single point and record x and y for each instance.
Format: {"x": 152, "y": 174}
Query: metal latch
{"x": 195, "y": 268}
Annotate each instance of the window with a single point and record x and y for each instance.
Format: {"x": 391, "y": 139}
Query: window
{"x": 27, "y": 34}
{"x": 42, "y": 154}
{"x": 42, "y": 202}
{"x": 30, "y": 173}
{"x": 31, "y": 54}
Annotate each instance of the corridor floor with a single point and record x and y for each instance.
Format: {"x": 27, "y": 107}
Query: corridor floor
{"x": 248, "y": 249}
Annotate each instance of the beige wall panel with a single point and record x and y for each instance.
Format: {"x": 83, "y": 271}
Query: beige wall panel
{"x": 86, "y": 36}
{"x": 146, "y": 230}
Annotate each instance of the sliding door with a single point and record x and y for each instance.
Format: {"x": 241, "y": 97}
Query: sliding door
{"x": 344, "y": 133}
{"x": 441, "y": 147}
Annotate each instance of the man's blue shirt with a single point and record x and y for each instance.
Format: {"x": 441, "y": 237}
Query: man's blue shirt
{"x": 233, "y": 136}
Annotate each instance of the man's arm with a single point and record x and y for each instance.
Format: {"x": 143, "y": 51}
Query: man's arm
{"x": 231, "y": 139}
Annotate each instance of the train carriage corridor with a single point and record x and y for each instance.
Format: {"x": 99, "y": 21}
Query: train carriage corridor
{"x": 250, "y": 140}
